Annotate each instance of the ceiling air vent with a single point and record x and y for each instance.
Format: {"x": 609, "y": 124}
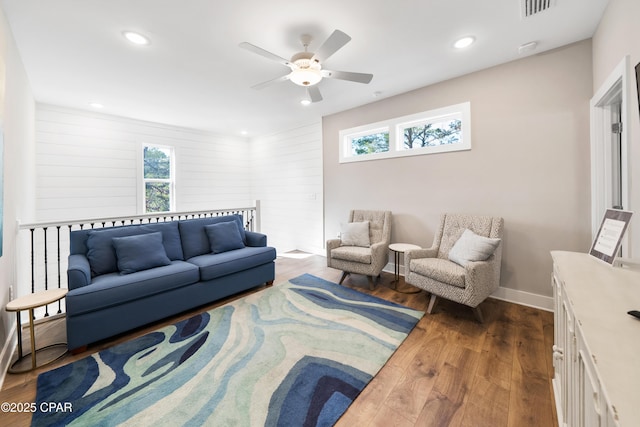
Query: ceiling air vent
{"x": 533, "y": 7}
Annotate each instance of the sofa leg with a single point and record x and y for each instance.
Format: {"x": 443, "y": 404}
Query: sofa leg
{"x": 78, "y": 350}
{"x": 344, "y": 276}
{"x": 432, "y": 303}
{"x": 478, "y": 314}
{"x": 269, "y": 283}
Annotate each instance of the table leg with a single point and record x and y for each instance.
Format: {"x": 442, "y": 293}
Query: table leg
{"x": 396, "y": 269}
{"x": 33, "y": 339}
{"x": 19, "y": 328}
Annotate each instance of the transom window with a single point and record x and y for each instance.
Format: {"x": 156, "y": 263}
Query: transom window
{"x": 428, "y": 132}
{"x": 158, "y": 179}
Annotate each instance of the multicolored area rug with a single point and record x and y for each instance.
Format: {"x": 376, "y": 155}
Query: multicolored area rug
{"x": 296, "y": 354}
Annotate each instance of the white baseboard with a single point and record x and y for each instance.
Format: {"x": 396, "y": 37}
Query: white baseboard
{"x": 7, "y": 352}
{"x": 506, "y": 294}
{"x": 524, "y": 298}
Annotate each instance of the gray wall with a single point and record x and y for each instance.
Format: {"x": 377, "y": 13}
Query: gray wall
{"x": 529, "y": 162}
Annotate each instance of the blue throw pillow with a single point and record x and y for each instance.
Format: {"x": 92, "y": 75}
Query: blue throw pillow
{"x": 224, "y": 236}
{"x": 194, "y": 236}
{"x": 102, "y": 255}
{"x": 140, "y": 252}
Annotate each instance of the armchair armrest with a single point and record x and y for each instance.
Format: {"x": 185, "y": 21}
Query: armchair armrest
{"x": 380, "y": 255}
{"x": 78, "y": 271}
{"x": 256, "y": 239}
{"x": 417, "y": 254}
{"x": 484, "y": 276}
{"x": 332, "y": 244}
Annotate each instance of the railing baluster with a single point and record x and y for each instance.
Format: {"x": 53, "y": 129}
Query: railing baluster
{"x": 46, "y": 269}
{"x": 59, "y": 270}
{"x": 33, "y": 263}
{"x": 41, "y": 263}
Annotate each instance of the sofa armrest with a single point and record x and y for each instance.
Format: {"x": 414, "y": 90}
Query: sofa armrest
{"x": 256, "y": 239}
{"x": 78, "y": 271}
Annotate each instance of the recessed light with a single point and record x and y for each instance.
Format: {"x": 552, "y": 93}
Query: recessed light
{"x": 244, "y": 133}
{"x": 305, "y": 102}
{"x": 464, "y": 42}
{"x": 96, "y": 105}
{"x": 136, "y": 38}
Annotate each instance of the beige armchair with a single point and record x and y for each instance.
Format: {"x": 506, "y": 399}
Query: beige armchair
{"x": 355, "y": 257}
{"x": 432, "y": 270}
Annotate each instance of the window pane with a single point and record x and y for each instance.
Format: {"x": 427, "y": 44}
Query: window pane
{"x": 158, "y": 196}
{"x": 157, "y": 163}
{"x": 369, "y": 144}
{"x": 433, "y": 134}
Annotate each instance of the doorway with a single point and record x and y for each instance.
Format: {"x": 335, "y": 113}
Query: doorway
{"x": 609, "y": 148}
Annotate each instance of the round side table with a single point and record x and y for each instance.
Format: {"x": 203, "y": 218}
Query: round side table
{"x": 397, "y": 249}
{"x": 51, "y": 352}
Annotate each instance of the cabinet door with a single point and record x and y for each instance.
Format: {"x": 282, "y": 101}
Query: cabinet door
{"x": 562, "y": 355}
{"x": 588, "y": 403}
{"x": 569, "y": 363}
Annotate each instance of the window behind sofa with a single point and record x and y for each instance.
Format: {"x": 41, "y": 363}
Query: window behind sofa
{"x": 158, "y": 178}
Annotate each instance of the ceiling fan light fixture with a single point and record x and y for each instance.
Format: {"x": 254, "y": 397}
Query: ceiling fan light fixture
{"x": 305, "y": 76}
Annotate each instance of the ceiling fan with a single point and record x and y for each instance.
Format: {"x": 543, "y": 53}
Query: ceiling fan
{"x": 306, "y": 67}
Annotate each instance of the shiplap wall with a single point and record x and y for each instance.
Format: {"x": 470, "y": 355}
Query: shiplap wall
{"x": 88, "y": 165}
{"x": 287, "y": 169}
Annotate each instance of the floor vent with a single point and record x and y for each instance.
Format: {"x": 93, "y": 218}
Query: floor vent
{"x": 533, "y": 7}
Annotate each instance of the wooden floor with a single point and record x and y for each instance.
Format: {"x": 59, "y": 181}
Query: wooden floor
{"x": 450, "y": 371}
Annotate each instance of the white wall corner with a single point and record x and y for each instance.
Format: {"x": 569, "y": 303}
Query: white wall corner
{"x": 7, "y": 352}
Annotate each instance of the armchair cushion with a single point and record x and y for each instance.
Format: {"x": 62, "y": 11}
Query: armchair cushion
{"x": 355, "y": 234}
{"x": 352, "y": 253}
{"x": 441, "y": 270}
{"x": 471, "y": 247}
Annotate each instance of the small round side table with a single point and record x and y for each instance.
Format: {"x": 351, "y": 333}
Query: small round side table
{"x": 30, "y": 302}
{"x": 397, "y": 249}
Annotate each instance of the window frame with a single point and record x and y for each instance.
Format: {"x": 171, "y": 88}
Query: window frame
{"x": 171, "y": 180}
{"x": 396, "y": 128}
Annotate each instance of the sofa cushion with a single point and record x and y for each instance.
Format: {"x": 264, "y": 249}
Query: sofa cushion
{"x": 102, "y": 254}
{"x": 217, "y": 265}
{"x": 141, "y": 252}
{"x": 224, "y": 236}
{"x": 439, "y": 269}
{"x": 113, "y": 289}
{"x": 352, "y": 253}
{"x": 194, "y": 237}
{"x": 471, "y": 247}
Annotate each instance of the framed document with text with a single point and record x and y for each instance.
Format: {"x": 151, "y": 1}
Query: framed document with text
{"x": 609, "y": 237}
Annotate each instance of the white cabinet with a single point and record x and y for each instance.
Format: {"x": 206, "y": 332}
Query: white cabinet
{"x": 596, "y": 352}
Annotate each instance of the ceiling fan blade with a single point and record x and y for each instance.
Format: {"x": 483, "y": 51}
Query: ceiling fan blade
{"x": 346, "y": 75}
{"x": 270, "y": 82}
{"x": 260, "y": 51}
{"x": 336, "y": 40}
{"x": 314, "y": 93}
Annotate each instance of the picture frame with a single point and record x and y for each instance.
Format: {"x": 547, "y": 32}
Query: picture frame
{"x": 606, "y": 244}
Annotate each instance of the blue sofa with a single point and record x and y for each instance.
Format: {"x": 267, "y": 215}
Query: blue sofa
{"x": 121, "y": 278}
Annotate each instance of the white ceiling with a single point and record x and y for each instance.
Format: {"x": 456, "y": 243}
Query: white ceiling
{"x": 194, "y": 74}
